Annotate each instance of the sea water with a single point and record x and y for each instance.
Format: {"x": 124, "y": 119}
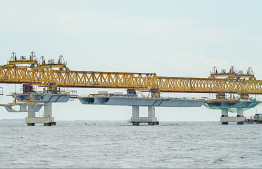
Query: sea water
{"x": 122, "y": 145}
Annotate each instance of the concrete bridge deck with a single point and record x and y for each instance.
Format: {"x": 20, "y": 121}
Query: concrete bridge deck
{"x": 136, "y": 101}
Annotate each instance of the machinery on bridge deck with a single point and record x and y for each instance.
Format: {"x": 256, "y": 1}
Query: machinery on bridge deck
{"x": 232, "y": 74}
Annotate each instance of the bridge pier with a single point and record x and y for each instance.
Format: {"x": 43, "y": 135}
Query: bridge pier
{"x": 48, "y": 120}
{"x": 151, "y": 119}
{"x": 33, "y": 102}
{"x": 239, "y": 118}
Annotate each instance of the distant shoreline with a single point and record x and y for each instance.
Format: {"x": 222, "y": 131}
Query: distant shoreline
{"x": 87, "y": 121}
{"x": 75, "y": 121}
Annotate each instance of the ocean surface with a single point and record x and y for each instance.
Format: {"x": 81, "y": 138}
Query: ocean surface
{"x": 121, "y": 145}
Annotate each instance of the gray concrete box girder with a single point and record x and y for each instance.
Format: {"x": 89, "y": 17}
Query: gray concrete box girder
{"x": 42, "y": 98}
{"x": 124, "y": 101}
{"x": 151, "y": 103}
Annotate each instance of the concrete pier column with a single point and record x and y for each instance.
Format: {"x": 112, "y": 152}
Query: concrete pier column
{"x": 152, "y": 115}
{"x": 240, "y": 113}
{"x": 224, "y": 116}
{"x": 151, "y": 111}
{"x": 135, "y": 115}
{"x": 31, "y": 114}
{"x": 135, "y": 111}
{"x": 48, "y": 114}
{"x": 48, "y": 110}
{"x": 224, "y": 112}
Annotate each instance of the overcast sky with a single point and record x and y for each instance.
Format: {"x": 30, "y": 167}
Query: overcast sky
{"x": 170, "y": 37}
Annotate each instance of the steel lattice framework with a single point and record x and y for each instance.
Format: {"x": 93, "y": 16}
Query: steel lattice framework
{"x": 66, "y": 78}
{"x": 208, "y": 85}
{"x": 47, "y": 75}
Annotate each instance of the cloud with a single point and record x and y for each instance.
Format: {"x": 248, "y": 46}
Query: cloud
{"x": 23, "y": 19}
{"x": 97, "y": 22}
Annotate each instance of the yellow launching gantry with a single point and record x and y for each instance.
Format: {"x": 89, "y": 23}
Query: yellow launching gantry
{"x": 52, "y": 75}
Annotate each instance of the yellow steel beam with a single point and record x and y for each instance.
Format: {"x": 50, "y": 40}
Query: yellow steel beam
{"x": 75, "y": 78}
{"x": 52, "y": 66}
{"x": 233, "y": 76}
{"x": 15, "y": 62}
{"x": 147, "y": 81}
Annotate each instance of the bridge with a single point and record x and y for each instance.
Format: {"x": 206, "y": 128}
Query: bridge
{"x": 52, "y": 76}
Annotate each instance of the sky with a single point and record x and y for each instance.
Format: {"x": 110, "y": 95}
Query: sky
{"x": 169, "y": 37}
